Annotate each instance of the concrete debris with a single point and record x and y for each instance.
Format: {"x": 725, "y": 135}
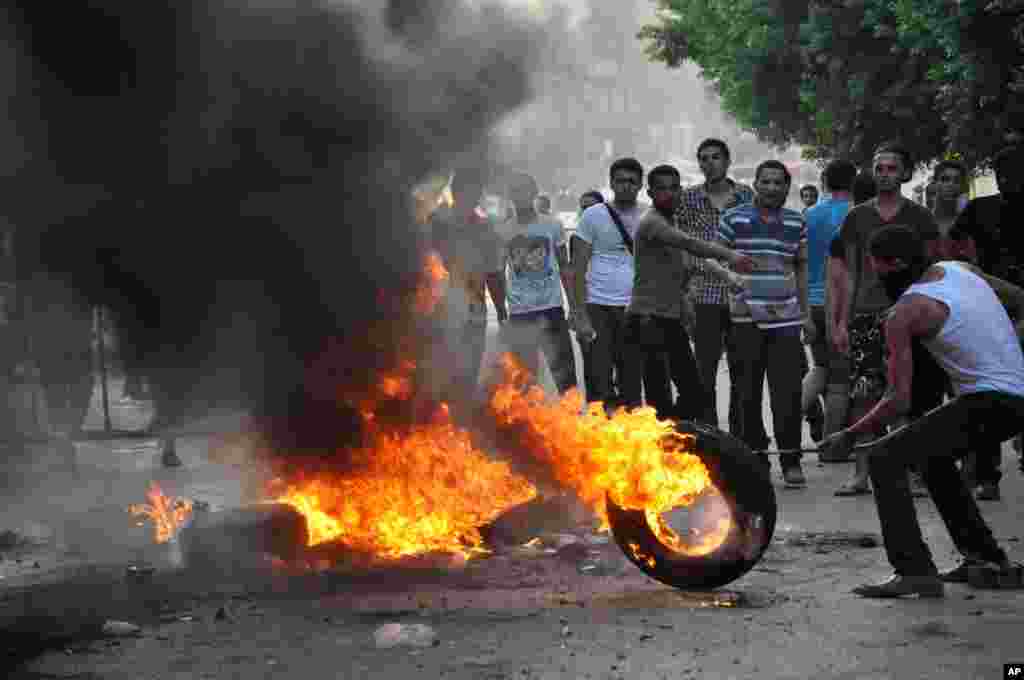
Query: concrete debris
{"x": 120, "y": 629}
{"x": 405, "y": 635}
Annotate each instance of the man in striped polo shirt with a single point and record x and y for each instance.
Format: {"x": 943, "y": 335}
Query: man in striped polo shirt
{"x": 769, "y": 309}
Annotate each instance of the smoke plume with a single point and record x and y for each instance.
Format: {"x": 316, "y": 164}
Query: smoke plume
{"x": 232, "y": 179}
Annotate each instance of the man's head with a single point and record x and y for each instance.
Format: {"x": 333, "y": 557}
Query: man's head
{"x": 771, "y": 182}
{"x": 839, "y": 175}
{"x": 522, "y": 190}
{"x": 897, "y": 255}
{"x": 467, "y": 186}
{"x": 590, "y": 198}
{"x": 664, "y": 186}
{"x": 950, "y": 181}
{"x": 713, "y": 157}
{"x": 626, "y": 177}
{"x": 1009, "y": 168}
{"x": 893, "y": 165}
{"x": 543, "y": 204}
{"x": 808, "y": 195}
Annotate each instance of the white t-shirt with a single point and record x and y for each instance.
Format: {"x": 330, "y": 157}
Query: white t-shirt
{"x": 610, "y": 275}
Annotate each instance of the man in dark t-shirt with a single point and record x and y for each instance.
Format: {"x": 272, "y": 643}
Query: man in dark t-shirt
{"x": 861, "y": 298}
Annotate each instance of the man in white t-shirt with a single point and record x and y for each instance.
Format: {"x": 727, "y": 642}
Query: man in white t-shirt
{"x": 603, "y": 284}
{"x": 960, "y": 316}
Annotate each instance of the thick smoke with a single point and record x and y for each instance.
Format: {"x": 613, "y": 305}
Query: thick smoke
{"x": 232, "y": 179}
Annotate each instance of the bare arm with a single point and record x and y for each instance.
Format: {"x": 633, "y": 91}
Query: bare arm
{"x": 656, "y": 229}
{"x": 839, "y": 292}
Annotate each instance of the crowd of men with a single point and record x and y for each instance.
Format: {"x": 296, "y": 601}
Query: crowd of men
{"x": 909, "y": 312}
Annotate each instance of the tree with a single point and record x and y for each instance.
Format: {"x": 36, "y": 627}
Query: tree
{"x": 840, "y": 77}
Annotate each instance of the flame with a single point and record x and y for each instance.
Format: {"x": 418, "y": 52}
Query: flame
{"x": 641, "y": 462}
{"x": 167, "y": 514}
{"x": 427, "y": 490}
{"x": 431, "y": 290}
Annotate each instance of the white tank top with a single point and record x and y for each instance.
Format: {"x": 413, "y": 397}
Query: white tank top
{"x": 977, "y": 345}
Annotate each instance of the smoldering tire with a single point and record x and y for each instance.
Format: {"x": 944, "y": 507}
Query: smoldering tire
{"x": 744, "y": 485}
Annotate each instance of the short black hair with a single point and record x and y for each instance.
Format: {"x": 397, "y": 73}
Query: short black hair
{"x": 839, "y": 175}
{"x": 629, "y": 164}
{"x": 864, "y": 187}
{"x": 714, "y": 141}
{"x": 1009, "y": 160}
{"x": 949, "y": 165}
{"x": 899, "y": 242}
{"x": 897, "y": 148}
{"x": 809, "y": 186}
{"x": 773, "y": 164}
{"x": 663, "y": 171}
{"x": 597, "y": 195}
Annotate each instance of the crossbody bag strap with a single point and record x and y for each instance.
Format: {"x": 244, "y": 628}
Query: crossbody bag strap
{"x": 626, "y": 238}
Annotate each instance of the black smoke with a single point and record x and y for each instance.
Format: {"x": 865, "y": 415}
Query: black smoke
{"x": 233, "y": 179}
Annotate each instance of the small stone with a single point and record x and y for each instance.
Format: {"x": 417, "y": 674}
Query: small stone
{"x": 621, "y": 656}
{"x": 645, "y": 637}
{"x": 970, "y": 597}
{"x": 736, "y": 661}
{"x": 120, "y": 629}
{"x": 221, "y": 615}
{"x": 976, "y": 612}
{"x": 35, "y": 565}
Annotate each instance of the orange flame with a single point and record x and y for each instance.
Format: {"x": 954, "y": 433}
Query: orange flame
{"x": 641, "y": 462}
{"x": 430, "y": 292}
{"x": 423, "y": 491}
{"x": 167, "y": 514}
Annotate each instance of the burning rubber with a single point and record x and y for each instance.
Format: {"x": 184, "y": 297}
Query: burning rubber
{"x": 743, "y": 496}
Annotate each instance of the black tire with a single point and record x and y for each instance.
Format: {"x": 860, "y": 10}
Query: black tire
{"x": 744, "y": 483}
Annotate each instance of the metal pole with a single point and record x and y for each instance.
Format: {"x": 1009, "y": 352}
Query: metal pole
{"x": 101, "y": 350}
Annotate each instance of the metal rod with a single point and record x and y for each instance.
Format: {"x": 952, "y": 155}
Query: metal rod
{"x": 766, "y": 452}
{"x": 102, "y": 351}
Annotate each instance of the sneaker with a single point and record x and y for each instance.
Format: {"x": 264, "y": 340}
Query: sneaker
{"x": 793, "y": 475}
{"x": 987, "y": 492}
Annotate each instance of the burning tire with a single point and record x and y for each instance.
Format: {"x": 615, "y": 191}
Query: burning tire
{"x": 745, "y": 497}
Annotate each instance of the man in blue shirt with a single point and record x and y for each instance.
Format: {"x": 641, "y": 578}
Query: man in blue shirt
{"x": 768, "y": 309}
{"x": 823, "y": 223}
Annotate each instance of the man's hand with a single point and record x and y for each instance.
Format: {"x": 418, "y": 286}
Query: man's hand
{"x": 810, "y": 331}
{"x": 839, "y": 444}
{"x": 736, "y": 282}
{"x": 841, "y": 338}
{"x": 743, "y": 264}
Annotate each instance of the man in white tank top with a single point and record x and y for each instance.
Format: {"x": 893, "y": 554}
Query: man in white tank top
{"x": 959, "y": 315}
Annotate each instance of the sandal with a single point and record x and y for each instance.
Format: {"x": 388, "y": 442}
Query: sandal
{"x": 850, "y": 489}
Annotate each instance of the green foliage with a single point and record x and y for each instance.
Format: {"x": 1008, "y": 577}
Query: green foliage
{"x": 840, "y": 77}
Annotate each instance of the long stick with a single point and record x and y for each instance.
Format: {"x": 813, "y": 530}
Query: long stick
{"x": 786, "y": 452}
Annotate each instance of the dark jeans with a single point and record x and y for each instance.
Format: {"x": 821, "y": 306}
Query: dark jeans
{"x": 548, "y": 330}
{"x": 931, "y": 443}
{"x": 712, "y": 326}
{"x": 648, "y": 340}
{"x": 779, "y": 354}
{"x": 604, "y": 353}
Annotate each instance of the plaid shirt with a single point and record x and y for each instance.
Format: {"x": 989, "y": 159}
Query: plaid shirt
{"x": 698, "y": 217}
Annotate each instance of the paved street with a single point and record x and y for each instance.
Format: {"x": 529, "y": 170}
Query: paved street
{"x": 524, "y": 614}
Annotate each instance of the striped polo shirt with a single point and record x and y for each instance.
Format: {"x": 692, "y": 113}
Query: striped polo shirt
{"x": 769, "y": 296}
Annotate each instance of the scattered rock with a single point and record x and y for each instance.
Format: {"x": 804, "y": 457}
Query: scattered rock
{"x": 932, "y": 629}
{"x": 645, "y": 637}
{"x": 222, "y": 614}
{"x": 970, "y": 597}
{"x": 401, "y": 634}
{"x": 621, "y": 656}
{"x": 120, "y": 629}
